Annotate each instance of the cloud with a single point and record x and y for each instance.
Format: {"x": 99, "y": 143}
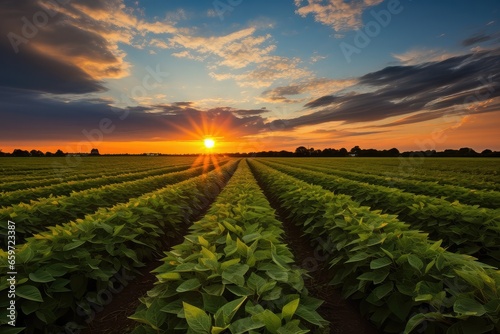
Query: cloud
{"x": 68, "y": 48}
{"x": 458, "y": 85}
{"x": 321, "y": 102}
{"x": 420, "y": 56}
{"x": 338, "y": 14}
{"x": 315, "y": 87}
{"x": 243, "y": 56}
{"x": 265, "y": 73}
{"x": 480, "y": 38}
{"x": 236, "y": 50}
{"x": 33, "y": 117}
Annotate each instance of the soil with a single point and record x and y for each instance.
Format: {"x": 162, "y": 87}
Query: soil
{"x": 113, "y": 318}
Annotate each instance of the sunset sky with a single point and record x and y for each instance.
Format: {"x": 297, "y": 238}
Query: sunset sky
{"x": 161, "y": 76}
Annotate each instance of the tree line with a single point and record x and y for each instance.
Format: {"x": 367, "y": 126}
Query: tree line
{"x": 356, "y": 151}
{"x": 300, "y": 151}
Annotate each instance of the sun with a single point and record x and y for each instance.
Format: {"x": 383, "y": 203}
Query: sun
{"x": 209, "y": 143}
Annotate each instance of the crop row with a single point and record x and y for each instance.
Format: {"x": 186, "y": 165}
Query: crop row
{"x": 404, "y": 280}
{"x": 233, "y": 266}
{"x": 483, "y": 198}
{"x": 411, "y": 170}
{"x": 467, "y": 229}
{"x": 65, "y": 188}
{"x": 40, "y": 181}
{"x": 37, "y": 169}
{"x": 38, "y": 216}
{"x": 59, "y": 272}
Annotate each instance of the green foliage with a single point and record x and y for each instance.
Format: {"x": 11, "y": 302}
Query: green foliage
{"x": 464, "y": 228}
{"x": 403, "y": 279}
{"x": 63, "y": 268}
{"x": 34, "y": 217}
{"x": 483, "y": 198}
{"x": 232, "y": 272}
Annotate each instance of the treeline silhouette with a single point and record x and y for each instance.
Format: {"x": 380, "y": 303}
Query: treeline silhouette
{"x": 300, "y": 151}
{"x": 356, "y": 151}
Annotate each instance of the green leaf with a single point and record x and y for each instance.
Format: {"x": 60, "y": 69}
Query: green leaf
{"x": 169, "y": 276}
{"x": 235, "y": 274}
{"x": 239, "y": 291}
{"x": 310, "y": 316}
{"x": 383, "y": 290}
{"x": 197, "y": 319}
{"x": 226, "y": 313}
{"x": 380, "y": 263}
{"x": 414, "y": 322}
{"x": 41, "y": 276}
{"x": 29, "y": 292}
{"x": 215, "y": 289}
{"x": 189, "y": 285}
{"x": 270, "y": 320}
{"x": 377, "y": 276}
{"x": 117, "y": 229}
{"x": 289, "y": 309}
{"x": 468, "y": 306}
{"x": 226, "y": 264}
{"x": 415, "y": 262}
{"x": 245, "y": 325}
{"x": 358, "y": 257}
{"x": 73, "y": 245}
{"x": 29, "y": 307}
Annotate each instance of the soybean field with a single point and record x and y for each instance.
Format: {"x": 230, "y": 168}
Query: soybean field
{"x": 214, "y": 244}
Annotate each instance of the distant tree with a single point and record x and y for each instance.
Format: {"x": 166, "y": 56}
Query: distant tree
{"x": 343, "y": 152}
{"x": 393, "y": 152}
{"x": 301, "y": 151}
{"x": 467, "y": 152}
{"x": 284, "y": 153}
{"x": 94, "y": 151}
{"x": 20, "y": 153}
{"x": 486, "y": 153}
{"x": 49, "y": 154}
{"x": 36, "y": 153}
{"x": 59, "y": 153}
{"x": 355, "y": 150}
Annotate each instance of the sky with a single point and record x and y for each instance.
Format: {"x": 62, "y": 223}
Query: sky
{"x": 161, "y": 76}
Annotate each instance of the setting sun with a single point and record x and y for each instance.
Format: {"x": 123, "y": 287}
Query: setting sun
{"x": 209, "y": 143}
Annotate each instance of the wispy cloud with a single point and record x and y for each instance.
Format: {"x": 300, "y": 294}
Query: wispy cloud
{"x": 308, "y": 88}
{"x": 420, "y": 56}
{"x": 338, "y": 14}
{"x": 481, "y": 38}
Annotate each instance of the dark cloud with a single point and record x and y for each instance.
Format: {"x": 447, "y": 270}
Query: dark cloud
{"x": 401, "y": 90}
{"x": 32, "y": 70}
{"x": 183, "y": 104}
{"x": 322, "y": 101}
{"x": 250, "y": 112}
{"x": 479, "y": 38}
{"x": 345, "y": 133}
{"x": 41, "y": 48}
{"x": 67, "y": 46}
{"x": 281, "y": 94}
{"x": 32, "y": 117}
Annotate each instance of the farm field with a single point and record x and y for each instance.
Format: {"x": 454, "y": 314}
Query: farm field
{"x": 214, "y": 244}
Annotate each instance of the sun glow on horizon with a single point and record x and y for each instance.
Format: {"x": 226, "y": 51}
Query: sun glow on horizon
{"x": 209, "y": 143}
